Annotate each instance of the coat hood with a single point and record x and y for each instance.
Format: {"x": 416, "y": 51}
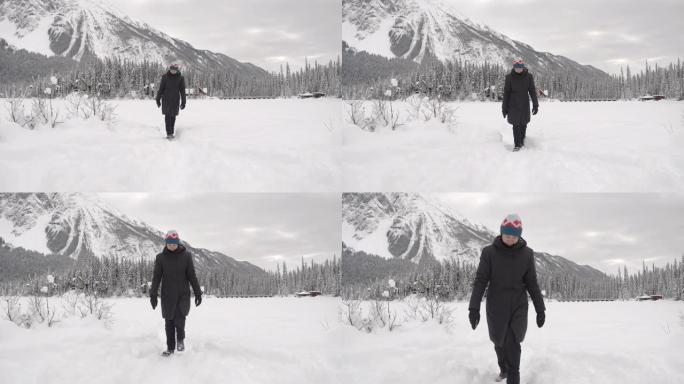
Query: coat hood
{"x": 513, "y": 72}
{"x": 498, "y": 242}
{"x": 178, "y": 250}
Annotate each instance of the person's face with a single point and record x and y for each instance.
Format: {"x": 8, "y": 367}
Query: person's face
{"x": 518, "y": 70}
{"x": 172, "y": 247}
{"x": 173, "y": 71}
{"x": 509, "y": 240}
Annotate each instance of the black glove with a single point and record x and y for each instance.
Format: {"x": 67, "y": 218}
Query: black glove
{"x": 474, "y": 317}
{"x": 541, "y": 318}
{"x": 158, "y": 103}
{"x": 153, "y": 301}
{"x": 198, "y": 300}
{"x": 182, "y": 106}
{"x": 535, "y": 110}
{"x": 504, "y": 113}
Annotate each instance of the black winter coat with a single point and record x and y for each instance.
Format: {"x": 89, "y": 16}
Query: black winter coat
{"x": 174, "y": 270}
{"x": 171, "y": 93}
{"x": 516, "y": 98}
{"x": 510, "y": 272}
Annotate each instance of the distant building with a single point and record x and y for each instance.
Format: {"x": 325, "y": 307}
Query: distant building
{"x": 310, "y": 95}
{"x": 197, "y": 92}
{"x": 652, "y": 97}
{"x": 649, "y": 297}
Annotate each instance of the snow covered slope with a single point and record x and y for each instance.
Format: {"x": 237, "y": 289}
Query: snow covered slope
{"x": 79, "y": 226}
{"x": 222, "y": 145}
{"x": 409, "y": 226}
{"x": 624, "y": 342}
{"x": 247, "y": 341}
{"x": 417, "y": 227}
{"x": 82, "y": 28}
{"x": 623, "y": 146}
{"x": 417, "y": 29}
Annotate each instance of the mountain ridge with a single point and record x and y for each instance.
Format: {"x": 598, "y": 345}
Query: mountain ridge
{"x": 422, "y": 230}
{"x": 83, "y": 28}
{"x": 80, "y": 226}
{"x": 418, "y": 30}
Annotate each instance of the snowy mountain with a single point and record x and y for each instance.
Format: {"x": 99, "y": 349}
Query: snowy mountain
{"x": 83, "y": 28}
{"x": 418, "y": 29}
{"x": 79, "y": 226}
{"x": 418, "y": 228}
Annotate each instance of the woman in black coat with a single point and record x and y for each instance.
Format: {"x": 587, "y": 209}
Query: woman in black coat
{"x": 174, "y": 269}
{"x": 516, "y": 103}
{"x": 507, "y": 266}
{"x": 171, "y": 97}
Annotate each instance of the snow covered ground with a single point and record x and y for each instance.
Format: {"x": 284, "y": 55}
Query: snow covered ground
{"x": 281, "y": 145}
{"x": 625, "y": 146}
{"x": 268, "y": 340}
{"x": 581, "y": 343}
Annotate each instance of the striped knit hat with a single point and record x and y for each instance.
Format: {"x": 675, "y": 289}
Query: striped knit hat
{"x": 512, "y": 225}
{"x": 171, "y": 237}
{"x": 518, "y": 63}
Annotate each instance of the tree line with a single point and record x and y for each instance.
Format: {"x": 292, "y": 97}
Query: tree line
{"x": 116, "y": 276}
{"x": 367, "y": 276}
{"x": 371, "y": 76}
{"x": 28, "y": 74}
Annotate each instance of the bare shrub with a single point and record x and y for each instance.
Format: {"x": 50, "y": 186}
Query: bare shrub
{"x": 74, "y": 103}
{"x": 385, "y": 113}
{"x": 437, "y": 108}
{"x": 351, "y": 312}
{"x": 392, "y": 319}
{"x": 70, "y": 302}
{"x": 37, "y": 309}
{"x": 416, "y": 103}
{"x": 93, "y": 305}
{"x": 12, "y": 308}
{"x": 45, "y": 112}
{"x": 378, "y": 313}
{"x": 413, "y": 305}
{"x": 50, "y": 313}
{"x": 356, "y": 112}
{"x": 17, "y": 114}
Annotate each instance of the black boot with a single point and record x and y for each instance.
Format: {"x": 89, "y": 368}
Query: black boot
{"x": 167, "y": 353}
{"x": 170, "y": 121}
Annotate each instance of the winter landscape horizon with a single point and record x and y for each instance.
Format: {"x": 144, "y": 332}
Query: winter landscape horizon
{"x": 341, "y": 191}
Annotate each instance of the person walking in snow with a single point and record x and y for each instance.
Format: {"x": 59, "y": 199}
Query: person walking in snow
{"x": 173, "y": 268}
{"x": 170, "y": 97}
{"x": 518, "y": 89}
{"x": 507, "y": 266}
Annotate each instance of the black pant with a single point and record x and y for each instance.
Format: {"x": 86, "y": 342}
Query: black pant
{"x": 519, "y": 134}
{"x": 170, "y": 121}
{"x": 175, "y": 330}
{"x": 508, "y": 357}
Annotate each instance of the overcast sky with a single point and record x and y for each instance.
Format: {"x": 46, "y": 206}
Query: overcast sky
{"x": 264, "y": 229}
{"x": 263, "y": 32}
{"x": 603, "y": 33}
{"x": 602, "y": 230}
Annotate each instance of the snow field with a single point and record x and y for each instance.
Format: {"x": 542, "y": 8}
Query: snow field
{"x": 624, "y": 146}
{"x": 283, "y": 145}
{"x": 262, "y": 340}
{"x": 581, "y": 343}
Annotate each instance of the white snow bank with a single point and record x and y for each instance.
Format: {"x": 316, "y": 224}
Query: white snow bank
{"x": 276, "y": 340}
{"x": 608, "y": 342}
{"x": 626, "y": 146}
{"x": 283, "y": 145}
